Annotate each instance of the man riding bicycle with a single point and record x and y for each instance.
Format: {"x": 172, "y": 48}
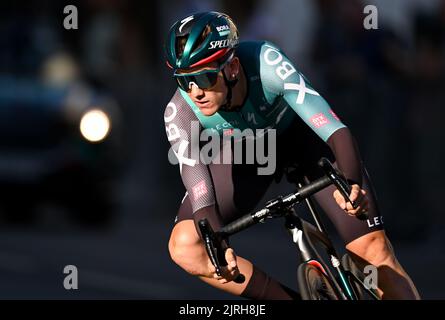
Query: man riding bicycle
{"x": 225, "y": 85}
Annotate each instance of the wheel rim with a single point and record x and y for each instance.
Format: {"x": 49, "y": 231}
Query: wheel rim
{"x": 321, "y": 288}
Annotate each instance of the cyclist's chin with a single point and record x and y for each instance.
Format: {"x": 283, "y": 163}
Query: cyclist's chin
{"x": 209, "y": 109}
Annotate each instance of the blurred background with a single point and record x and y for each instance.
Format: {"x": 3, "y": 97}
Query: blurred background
{"x": 84, "y": 174}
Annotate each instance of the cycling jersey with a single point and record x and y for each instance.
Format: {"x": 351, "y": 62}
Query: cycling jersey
{"x": 278, "y": 97}
{"x": 277, "y": 92}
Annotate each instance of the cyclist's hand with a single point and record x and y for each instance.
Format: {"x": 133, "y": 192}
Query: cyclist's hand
{"x": 229, "y": 272}
{"x": 358, "y": 195}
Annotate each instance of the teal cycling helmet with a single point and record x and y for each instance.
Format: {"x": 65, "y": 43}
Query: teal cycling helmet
{"x": 200, "y": 39}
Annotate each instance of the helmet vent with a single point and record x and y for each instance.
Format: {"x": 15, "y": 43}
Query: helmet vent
{"x": 180, "y": 45}
{"x": 205, "y": 33}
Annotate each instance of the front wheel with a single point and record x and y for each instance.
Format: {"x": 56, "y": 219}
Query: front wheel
{"x": 314, "y": 284}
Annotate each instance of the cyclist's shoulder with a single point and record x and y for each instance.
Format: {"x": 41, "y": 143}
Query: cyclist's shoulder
{"x": 261, "y": 59}
{"x": 252, "y": 53}
{"x": 178, "y": 109}
{"x": 255, "y": 47}
{"x": 267, "y": 62}
{"x": 249, "y": 46}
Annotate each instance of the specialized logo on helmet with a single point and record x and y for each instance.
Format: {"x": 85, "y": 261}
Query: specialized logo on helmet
{"x": 184, "y": 22}
{"x": 223, "y": 43}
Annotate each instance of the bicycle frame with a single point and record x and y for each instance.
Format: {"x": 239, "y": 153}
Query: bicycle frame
{"x": 304, "y": 234}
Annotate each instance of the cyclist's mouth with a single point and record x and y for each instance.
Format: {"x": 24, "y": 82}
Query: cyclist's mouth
{"x": 203, "y": 104}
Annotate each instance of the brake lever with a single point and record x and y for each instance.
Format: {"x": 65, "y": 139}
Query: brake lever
{"x": 341, "y": 183}
{"x": 344, "y": 188}
{"x": 209, "y": 242}
{"x": 215, "y": 250}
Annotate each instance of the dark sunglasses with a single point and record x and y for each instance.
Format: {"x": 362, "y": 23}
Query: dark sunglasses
{"x": 204, "y": 79}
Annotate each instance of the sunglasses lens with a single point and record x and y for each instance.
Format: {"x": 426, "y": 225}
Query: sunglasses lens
{"x": 206, "y": 80}
{"x": 182, "y": 83}
{"x": 203, "y": 81}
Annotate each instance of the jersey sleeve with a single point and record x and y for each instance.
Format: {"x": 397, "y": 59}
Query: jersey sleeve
{"x": 280, "y": 78}
{"x": 183, "y": 131}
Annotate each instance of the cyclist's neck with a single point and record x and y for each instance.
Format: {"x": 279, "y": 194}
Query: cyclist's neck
{"x": 239, "y": 91}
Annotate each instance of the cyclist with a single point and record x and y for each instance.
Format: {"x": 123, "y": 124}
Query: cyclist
{"x": 225, "y": 85}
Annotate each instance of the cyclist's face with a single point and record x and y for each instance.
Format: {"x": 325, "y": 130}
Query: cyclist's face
{"x": 210, "y": 99}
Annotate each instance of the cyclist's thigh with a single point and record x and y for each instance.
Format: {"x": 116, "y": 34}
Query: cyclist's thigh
{"x": 238, "y": 190}
{"x": 351, "y": 228}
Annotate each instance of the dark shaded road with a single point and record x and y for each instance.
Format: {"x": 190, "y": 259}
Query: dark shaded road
{"x": 131, "y": 261}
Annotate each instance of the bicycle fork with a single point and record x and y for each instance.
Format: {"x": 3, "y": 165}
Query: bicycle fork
{"x": 301, "y": 233}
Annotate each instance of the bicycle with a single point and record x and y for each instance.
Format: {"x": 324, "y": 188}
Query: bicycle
{"x": 316, "y": 280}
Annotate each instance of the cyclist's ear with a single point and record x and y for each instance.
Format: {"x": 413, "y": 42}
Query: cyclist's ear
{"x": 233, "y": 68}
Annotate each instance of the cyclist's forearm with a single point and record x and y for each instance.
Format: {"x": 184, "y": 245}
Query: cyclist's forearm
{"x": 347, "y": 155}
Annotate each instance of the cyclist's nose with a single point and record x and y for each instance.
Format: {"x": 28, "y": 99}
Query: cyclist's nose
{"x": 196, "y": 91}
